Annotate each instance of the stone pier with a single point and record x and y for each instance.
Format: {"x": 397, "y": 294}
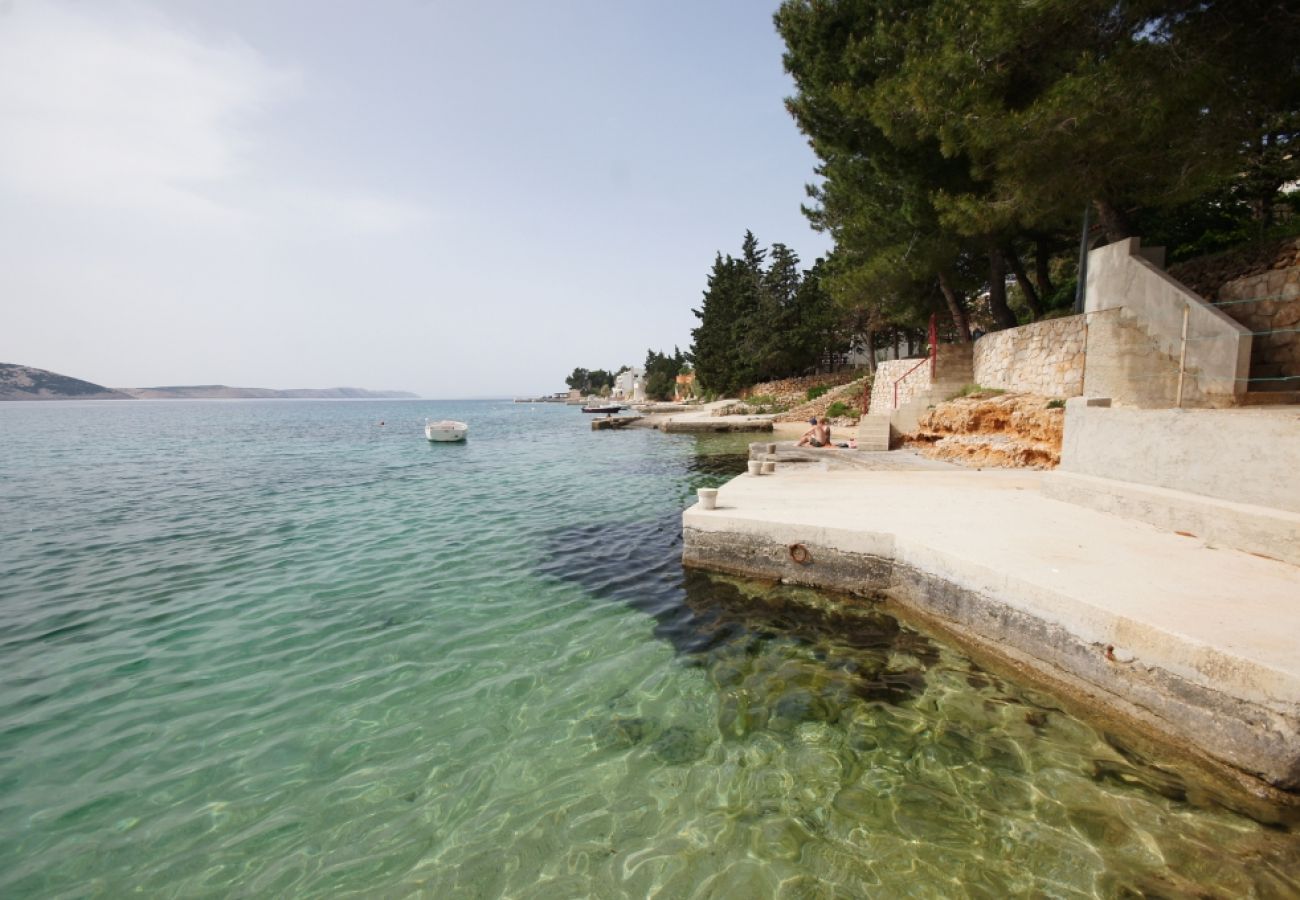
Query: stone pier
{"x": 1192, "y": 645}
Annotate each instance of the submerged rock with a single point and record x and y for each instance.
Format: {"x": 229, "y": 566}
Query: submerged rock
{"x": 622, "y": 732}
{"x": 678, "y": 745}
{"x": 798, "y": 706}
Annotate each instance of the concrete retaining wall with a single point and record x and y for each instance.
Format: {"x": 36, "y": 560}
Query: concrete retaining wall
{"x": 1238, "y": 455}
{"x": 1042, "y": 358}
{"x": 1150, "y": 308}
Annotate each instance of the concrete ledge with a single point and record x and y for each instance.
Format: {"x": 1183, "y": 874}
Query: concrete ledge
{"x": 720, "y": 424}
{"x": 1238, "y": 455}
{"x": 1274, "y": 533}
{"x": 1198, "y": 645}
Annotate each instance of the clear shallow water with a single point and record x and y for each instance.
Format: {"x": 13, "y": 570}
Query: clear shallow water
{"x": 272, "y": 649}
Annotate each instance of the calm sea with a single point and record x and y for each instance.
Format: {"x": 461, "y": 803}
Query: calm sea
{"x": 268, "y": 649}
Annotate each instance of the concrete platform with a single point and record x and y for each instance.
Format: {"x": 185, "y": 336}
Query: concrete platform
{"x": 610, "y": 423}
{"x": 1261, "y": 530}
{"x": 1200, "y": 646}
{"x": 715, "y": 424}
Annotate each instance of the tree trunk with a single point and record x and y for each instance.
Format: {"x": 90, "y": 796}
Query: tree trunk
{"x": 871, "y": 351}
{"x": 1042, "y": 268}
{"x": 1002, "y": 313}
{"x": 1113, "y": 221}
{"x": 955, "y": 309}
{"x": 1026, "y": 286}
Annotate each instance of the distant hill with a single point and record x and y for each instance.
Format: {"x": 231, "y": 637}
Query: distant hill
{"x": 225, "y": 392}
{"x": 26, "y": 383}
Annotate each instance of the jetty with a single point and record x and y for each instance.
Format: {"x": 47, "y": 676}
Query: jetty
{"x": 706, "y": 418}
{"x": 610, "y": 423}
{"x": 1093, "y": 587}
{"x": 715, "y": 424}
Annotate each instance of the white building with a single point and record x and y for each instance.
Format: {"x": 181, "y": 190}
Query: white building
{"x": 629, "y": 385}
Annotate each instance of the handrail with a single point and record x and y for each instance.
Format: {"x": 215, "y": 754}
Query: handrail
{"x": 932, "y": 358}
{"x": 904, "y": 375}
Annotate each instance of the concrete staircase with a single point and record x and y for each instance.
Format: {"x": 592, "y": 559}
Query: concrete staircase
{"x": 873, "y": 432}
{"x": 953, "y": 370}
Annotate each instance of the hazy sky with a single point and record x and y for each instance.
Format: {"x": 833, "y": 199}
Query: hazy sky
{"x": 458, "y": 199}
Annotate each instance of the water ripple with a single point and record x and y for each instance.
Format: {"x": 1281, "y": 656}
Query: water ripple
{"x": 272, "y": 649}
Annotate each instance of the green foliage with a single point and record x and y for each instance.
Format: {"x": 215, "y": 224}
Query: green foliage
{"x": 839, "y": 409}
{"x": 761, "y": 323}
{"x": 1056, "y": 404}
{"x": 661, "y": 371}
{"x": 954, "y": 136}
{"x": 815, "y": 392}
{"x": 592, "y": 381}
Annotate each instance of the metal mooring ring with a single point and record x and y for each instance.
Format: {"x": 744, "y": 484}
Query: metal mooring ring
{"x": 799, "y": 553}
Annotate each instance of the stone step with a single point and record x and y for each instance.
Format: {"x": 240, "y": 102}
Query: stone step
{"x": 964, "y": 373}
{"x": 873, "y": 432}
{"x": 941, "y": 392}
{"x": 1270, "y": 398}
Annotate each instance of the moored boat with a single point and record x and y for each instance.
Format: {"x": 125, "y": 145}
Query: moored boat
{"x": 609, "y": 409}
{"x": 445, "y": 430}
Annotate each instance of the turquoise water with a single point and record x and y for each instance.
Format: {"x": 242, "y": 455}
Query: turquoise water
{"x": 275, "y": 649}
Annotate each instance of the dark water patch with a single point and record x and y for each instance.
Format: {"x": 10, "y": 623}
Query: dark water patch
{"x": 621, "y": 732}
{"x": 712, "y": 623}
{"x": 714, "y": 466}
{"x": 1133, "y": 770}
{"x": 678, "y": 745}
{"x": 892, "y": 686}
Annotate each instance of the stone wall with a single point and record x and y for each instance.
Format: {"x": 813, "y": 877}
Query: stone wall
{"x": 849, "y": 394}
{"x": 887, "y": 372}
{"x": 1043, "y": 358}
{"x": 1269, "y": 302}
{"x": 795, "y": 390}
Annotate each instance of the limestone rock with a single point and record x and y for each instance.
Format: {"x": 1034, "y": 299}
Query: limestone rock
{"x": 1002, "y": 431}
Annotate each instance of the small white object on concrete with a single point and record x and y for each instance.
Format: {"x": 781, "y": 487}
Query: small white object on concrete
{"x": 708, "y": 498}
{"x": 769, "y": 466}
{"x": 755, "y": 467}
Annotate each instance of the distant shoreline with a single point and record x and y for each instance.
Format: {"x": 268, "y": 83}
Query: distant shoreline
{"x": 28, "y": 383}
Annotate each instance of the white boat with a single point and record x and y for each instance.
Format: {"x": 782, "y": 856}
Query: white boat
{"x": 446, "y": 430}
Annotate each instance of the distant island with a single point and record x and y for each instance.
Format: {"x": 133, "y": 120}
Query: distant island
{"x": 28, "y": 383}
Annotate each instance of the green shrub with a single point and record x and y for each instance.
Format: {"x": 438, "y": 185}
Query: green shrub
{"x": 1056, "y": 404}
{"x": 815, "y": 392}
{"x": 839, "y": 408}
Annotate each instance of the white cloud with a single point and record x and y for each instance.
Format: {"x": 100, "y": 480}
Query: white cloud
{"x": 137, "y": 114}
